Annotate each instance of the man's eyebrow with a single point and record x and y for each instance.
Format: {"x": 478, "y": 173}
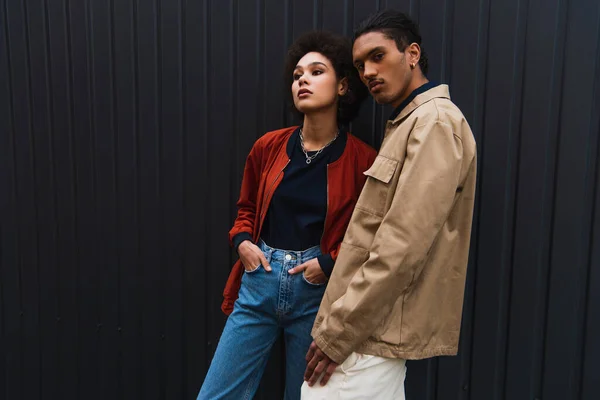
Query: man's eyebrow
{"x": 374, "y": 50}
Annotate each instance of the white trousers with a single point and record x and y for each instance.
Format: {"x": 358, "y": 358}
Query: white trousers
{"x": 362, "y": 376}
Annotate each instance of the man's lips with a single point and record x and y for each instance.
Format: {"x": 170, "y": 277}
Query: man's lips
{"x": 373, "y": 85}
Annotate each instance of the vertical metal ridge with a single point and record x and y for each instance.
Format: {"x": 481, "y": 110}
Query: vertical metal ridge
{"x": 480, "y": 88}
{"x": 348, "y": 17}
{"x": 3, "y": 22}
{"x": 72, "y": 146}
{"x": 205, "y": 100}
{"x": 92, "y": 110}
{"x": 510, "y": 198}
{"x": 468, "y": 322}
{"x": 51, "y": 150}
{"x": 136, "y": 177}
{"x": 2, "y": 311}
{"x": 415, "y": 9}
{"x": 160, "y": 215}
{"x": 115, "y": 179}
{"x": 52, "y": 171}
{"x": 260, "y": 73}
{"x": 288, "y": 18}
{"x": 512, "y": 179}
{"x": 14, "y": 191}
{"x": 289, "y": 38}
{"x": 447, "y": 41}
{"x": 551, "y": 170}
{"x": 318, "y": 14}
{"x": 184, "y": 176}
{"x": 234, "y": 71}
{"x": 32, "y": 162}
{"x": 593, "y": 172}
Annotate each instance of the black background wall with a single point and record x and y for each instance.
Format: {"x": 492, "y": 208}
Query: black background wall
{"x": 124, "y": 126}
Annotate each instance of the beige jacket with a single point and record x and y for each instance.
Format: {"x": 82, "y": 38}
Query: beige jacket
{"x": 397, "y": 287}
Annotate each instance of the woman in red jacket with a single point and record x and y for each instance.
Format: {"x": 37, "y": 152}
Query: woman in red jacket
{"x": 299, "y": 188}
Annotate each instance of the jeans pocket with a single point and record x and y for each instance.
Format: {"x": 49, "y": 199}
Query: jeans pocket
{"x": 252, "y": 271}
{"x": 310, "y": 283}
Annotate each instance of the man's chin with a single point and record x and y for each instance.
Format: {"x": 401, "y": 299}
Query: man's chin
{"x": 380, "y": 98}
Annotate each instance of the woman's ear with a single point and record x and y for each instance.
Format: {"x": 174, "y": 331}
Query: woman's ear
{"x": 343, "y": 86}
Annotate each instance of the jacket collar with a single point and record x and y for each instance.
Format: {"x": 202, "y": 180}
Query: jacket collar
{"x": 420, "y": 96}
{"x": 337, "y": 147}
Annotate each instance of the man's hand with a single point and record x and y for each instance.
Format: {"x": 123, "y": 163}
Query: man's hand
{"x": 312, "y": 271}
{"x": 252, "y": 256}
{"x": 317, "y": 362}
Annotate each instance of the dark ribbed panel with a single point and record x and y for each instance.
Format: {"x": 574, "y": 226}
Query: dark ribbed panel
{"x": 124, "y": 127}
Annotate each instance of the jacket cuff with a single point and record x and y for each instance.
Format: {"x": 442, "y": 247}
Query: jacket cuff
{"x": 331, "y": 352}
{"x": 326, "y": 263}
{"x": 239, "y": 238}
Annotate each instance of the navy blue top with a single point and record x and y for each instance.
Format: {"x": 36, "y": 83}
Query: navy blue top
{"x": 415, "y": 93}
{"x": 296, "y": 216}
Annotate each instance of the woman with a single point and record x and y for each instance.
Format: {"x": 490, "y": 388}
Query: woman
{"x": 299, "y": 188}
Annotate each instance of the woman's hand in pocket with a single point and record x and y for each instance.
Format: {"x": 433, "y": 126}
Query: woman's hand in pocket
{"x": 312, "y": 271}
{"x": 252, "y": 256}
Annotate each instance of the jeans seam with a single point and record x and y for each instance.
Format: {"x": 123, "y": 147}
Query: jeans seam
{"x": 248, "y": 391}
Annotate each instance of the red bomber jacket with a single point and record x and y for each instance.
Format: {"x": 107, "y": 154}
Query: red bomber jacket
{"x": 263, "y": 173}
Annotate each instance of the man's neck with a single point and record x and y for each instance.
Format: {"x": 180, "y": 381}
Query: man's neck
{"x": 415, "y": 83}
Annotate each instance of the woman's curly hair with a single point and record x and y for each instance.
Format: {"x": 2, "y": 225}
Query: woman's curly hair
{"x": 338, "y": 51}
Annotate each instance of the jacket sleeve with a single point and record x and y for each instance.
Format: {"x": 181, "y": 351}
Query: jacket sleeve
{"x": 327, "y": 261}
{"x": 422, "y": 200}
{"x": 243, "y": 226}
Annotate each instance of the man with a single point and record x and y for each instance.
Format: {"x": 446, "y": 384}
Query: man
{"x": 396, "y": 291}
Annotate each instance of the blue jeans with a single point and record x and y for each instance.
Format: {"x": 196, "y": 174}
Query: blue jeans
{"x": 269, "y": 303}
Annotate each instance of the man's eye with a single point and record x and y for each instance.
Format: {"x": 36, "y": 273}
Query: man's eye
{"x": 378, "y": 57}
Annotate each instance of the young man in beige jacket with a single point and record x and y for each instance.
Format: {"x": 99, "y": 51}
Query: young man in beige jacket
{"x": 396, "y": 292}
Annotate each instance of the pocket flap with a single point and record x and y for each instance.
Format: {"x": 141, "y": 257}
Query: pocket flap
{"x": 383, "y": 169}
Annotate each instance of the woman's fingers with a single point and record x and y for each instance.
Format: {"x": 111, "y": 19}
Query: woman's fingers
{"x": 298, "y": 269}
{"x": 264, "y": 261}
{"x": 251, "y": 262}
{"x": 250, "y": 266}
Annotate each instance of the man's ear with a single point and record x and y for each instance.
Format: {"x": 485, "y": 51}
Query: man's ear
{"x": 413, "y": 53}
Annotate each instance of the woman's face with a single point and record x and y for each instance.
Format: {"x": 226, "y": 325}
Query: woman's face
{"x": 315, "y": 86}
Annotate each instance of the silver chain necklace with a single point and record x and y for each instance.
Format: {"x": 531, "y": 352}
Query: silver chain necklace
{"x": 310, "y": 158}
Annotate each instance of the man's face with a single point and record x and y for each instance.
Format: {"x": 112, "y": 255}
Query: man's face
{"x": 382, "y": 67}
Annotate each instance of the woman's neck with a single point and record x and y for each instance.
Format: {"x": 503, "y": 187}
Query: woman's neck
{"x": 318, "y": 130}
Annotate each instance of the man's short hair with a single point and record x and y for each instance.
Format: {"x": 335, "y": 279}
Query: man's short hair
{"x": 397, "y": 26}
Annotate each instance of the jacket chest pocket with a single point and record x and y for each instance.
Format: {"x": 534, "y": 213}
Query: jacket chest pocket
{"x": 375, "y": 192}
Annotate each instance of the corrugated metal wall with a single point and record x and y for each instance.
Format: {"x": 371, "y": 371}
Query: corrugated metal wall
{"x": 124, "y": 125}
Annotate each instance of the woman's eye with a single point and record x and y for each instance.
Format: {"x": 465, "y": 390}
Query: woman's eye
{"x": 297, "y": 76}
{"x": 360, "y": 67}
{"x": 317, "y": 72}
